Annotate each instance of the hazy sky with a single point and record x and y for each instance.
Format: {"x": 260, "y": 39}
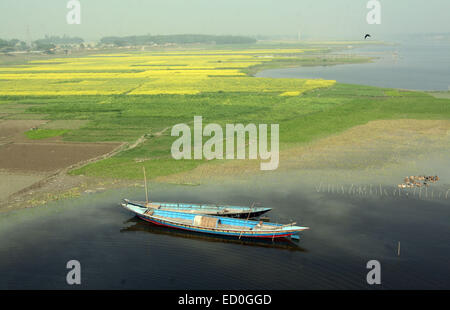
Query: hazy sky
{"x": 321, "y": 19}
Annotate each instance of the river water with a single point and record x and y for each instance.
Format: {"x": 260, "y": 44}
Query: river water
{"x": 117, "y": 250}
{"x": 415, "y": 65}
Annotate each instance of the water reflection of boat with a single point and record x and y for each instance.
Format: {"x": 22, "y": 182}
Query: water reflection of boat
{"x": 217, "y": 225}
{"x": 207, "y": 209}
{"x": 134, "y": 224}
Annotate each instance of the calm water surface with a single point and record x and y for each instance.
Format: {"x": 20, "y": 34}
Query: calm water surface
{"x": 117, "y": 251}
{"x": 407, "y": 65}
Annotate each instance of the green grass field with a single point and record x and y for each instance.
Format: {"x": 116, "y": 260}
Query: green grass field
{"x": 313, "y": 115}
{"x": 315, "y": 111}
{"x": 44, "y": 133}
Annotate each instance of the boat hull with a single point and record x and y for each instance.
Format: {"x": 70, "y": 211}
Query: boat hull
{"x": 135, "y": 224}
{"x": 215, "y": 225}
{"x": 232, "y": 211}
{"x": 225, "y": 233}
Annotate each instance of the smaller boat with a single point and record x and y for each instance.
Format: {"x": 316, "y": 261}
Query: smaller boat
{"x": 207, "y": 209}
{"x": 216, "y": 225}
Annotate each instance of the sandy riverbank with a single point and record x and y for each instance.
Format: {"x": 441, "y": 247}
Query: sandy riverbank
{"x": 378, "y": 147}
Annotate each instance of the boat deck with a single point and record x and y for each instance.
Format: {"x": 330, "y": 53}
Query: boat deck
{"x": 201, "y": 209}
{"x": 188, "y": 222}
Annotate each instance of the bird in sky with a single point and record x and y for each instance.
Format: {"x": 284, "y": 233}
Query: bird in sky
{"x": 367, "y": 36}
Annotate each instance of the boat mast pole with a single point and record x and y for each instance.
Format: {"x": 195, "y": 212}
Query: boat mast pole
{"x": 146, "y": 190}
{"x": 248, "y": 216}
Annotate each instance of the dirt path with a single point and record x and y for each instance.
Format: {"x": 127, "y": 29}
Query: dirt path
{"x": 142, "y": 139}
{"x": 52, "y": 180}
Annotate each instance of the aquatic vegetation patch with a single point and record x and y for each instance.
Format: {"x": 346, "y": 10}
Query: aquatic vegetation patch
{"x": 38, "y": 134}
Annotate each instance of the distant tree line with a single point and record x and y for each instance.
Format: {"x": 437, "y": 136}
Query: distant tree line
{"x": 176, "y": 39}
{"x": 50, "y": 42}
{"x": 12, "y": 45}
{"x": 59, "y": 40}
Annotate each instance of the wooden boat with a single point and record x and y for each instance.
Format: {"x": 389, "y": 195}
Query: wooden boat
{"x": 207, "y": 209}
{"x": 217, "y": 225}
{"x": 135, "y": 224}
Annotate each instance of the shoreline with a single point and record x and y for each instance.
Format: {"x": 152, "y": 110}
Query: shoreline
{"x": 383, "y": 56}
{"x": 61, "y": 184}
{"x": 334, "y": 165}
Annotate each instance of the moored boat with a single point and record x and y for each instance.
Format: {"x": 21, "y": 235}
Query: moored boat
{"x": 217, "y": 225}
{"x": 135, "y": 224}
{"x": 206, "y": 209}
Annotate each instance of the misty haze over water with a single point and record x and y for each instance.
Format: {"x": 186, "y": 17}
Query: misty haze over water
{"x": 408, "y": 64}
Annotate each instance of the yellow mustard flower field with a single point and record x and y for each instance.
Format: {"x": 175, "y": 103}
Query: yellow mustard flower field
{"x": 152, "y": 73}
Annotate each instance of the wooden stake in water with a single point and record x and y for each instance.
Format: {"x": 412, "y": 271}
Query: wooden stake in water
{"x": 398, "y": 249}
{"x": 146, "y": 190}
